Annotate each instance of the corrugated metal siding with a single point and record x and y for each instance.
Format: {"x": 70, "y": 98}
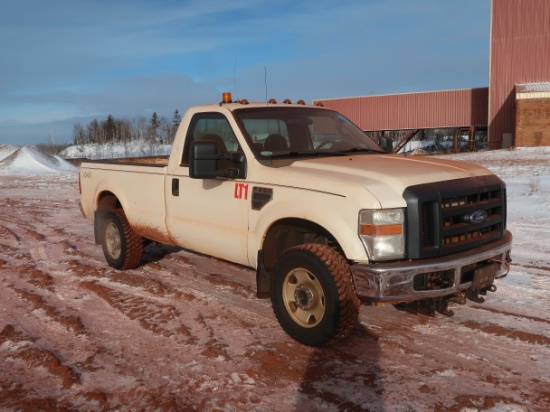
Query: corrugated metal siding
{"x": 450, "y": 108}
{"x": 520, "y": 51}
{"x": 533, "y": 88}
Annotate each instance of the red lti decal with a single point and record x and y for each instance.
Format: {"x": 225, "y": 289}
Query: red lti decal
{"x": 241, "y": 191}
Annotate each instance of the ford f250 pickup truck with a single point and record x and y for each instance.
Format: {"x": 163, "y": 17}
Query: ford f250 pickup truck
{"x": 326, "y": 217}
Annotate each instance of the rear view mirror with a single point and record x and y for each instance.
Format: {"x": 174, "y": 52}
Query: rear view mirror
{"x": 203, "y": 161}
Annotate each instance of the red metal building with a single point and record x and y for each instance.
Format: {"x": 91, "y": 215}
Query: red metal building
{"x": 450, "y": 108}
{"x": 519, "y": 54}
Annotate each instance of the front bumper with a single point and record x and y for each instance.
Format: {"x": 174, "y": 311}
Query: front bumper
{"x": 395, "y": 282}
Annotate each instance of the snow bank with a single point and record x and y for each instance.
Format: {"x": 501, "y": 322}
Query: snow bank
{"x": 28, "y": 160}
{"x": 6, "y": 150}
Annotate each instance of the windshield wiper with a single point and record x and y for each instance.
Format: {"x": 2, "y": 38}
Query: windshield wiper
{"x": 308, "y": 153}
{"x": 360, "y": 150}
{"x": 324, "y": 153}
{"x": 316, "y": 153}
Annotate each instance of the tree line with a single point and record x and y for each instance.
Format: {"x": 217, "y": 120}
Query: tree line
{"x": 155, "y": 130}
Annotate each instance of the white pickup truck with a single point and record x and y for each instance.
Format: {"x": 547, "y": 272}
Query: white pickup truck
{"x": 324, "y": 215}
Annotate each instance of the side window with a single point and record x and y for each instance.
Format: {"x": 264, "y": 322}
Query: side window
{"x": 210, "y": 126}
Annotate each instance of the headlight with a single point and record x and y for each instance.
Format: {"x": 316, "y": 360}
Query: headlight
{"x": 383, "y": 234}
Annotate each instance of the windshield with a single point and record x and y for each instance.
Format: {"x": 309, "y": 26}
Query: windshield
{"x": 297, "y": 131}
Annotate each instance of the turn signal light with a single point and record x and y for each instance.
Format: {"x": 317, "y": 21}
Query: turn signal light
{"x": 382, "y": 230}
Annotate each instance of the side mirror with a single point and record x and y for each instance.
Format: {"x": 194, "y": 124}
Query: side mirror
{"x": 203, "y": 161}
{"x": 386, "y": 144}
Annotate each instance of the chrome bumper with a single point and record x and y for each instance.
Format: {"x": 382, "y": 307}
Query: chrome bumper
{"x": 393, "y": 282}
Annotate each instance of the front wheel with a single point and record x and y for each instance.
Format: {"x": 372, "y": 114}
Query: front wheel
{"x": 122, "y": 247}
{"x": 313, "y": 294}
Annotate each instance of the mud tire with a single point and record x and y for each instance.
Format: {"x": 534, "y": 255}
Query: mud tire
{"x": 122, "y": 247}
{"x": 313, "y": 295}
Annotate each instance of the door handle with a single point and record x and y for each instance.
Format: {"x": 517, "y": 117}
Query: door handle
{"x": 175, "y": 187}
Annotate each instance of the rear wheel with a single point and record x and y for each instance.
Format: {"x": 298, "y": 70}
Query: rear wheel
{"x": 313, "y": 294}
{"x": 122, "y": 247}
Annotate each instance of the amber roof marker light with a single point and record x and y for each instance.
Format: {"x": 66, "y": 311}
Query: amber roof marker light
{"x": 226, "y": 97}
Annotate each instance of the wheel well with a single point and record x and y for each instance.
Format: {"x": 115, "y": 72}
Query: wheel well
{"x": 293, "y": 232}
{"x": 283, "y": 235}
{"x": 107, "y": 201}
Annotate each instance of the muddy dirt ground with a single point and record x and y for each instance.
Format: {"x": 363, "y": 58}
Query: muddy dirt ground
{"x": 185, "y": 332}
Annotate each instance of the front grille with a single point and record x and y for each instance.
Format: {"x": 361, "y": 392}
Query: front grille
{"x": 449, "y": 217}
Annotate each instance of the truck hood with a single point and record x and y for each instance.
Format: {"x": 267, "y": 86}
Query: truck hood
{"x": 385, "y": 176}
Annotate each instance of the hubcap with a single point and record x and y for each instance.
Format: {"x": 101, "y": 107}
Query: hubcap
{"x": 112, "y": 240}
{"x": 304, "y": 297}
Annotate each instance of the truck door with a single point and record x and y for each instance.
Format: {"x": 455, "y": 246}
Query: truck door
{"x": 209, "y": 215}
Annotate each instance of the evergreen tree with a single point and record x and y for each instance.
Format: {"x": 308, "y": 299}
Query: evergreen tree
{"x": 110, "y": 129}
{"x": 176, "y": 120}
{"x": 153, "y": 126}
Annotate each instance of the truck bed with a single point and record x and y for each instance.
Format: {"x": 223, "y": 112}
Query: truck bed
{"x": 155, "y": 161}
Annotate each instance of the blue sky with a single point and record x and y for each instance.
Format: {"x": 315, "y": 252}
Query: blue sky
{"x": 69, "y": 61}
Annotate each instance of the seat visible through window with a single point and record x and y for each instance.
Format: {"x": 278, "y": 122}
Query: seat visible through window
{"x": 275, "y": 143}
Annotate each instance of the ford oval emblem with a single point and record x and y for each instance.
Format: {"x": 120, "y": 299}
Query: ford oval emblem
{"x": 476, "y": 217}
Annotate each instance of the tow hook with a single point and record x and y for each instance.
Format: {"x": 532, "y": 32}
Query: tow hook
{"x": 442, "y": 306}
{"x": 459, "y": 298}
{"x": 473, "y": 295}
{"x": 429, "y": 307}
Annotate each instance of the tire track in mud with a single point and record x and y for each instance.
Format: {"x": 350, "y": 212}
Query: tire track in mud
{"x": 512, "y": 314}
{"x": 37, "y": 378}
{"x": 500, "y": 331}
{"x": 239, "y": 294}
{"x": 72, "y": 324}
{"x": 37, "y": 277}
{"x": 6, "y": 231}
{"x": 440, "y": 351}
{"x": 23, "y": 349}
{"x": 158, "y": 318}
{"x": 25, "y": 229}
{"x": 158, "y": 305}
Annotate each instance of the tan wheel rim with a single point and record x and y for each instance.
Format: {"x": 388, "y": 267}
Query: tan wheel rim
{"x": 304, "y": 297}
{"x": 112, "y": 240}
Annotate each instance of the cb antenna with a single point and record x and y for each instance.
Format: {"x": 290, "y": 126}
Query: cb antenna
{"x": 265, "y": 82}
{"x": 235, "y": 77}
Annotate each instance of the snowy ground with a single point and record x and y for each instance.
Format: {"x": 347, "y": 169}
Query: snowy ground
{"x": 185, "y": 331}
